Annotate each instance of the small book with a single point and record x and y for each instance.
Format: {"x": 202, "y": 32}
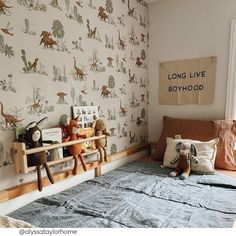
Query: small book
{"x": 55, "y": 135}
{"x": 87, "y": 115}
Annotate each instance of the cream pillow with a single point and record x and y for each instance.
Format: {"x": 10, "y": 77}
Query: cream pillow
{"x": 206, "y": 154}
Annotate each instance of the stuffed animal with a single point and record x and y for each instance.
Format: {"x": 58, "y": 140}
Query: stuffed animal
{"x": 63, "y": 123}
{"x": 33, "y": 139}
{"x": 186, "y": 152}
{"x": 76, "y": 149}
{"x": 100, "y": 129}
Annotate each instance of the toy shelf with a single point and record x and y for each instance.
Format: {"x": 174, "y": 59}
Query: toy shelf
{"x": 20, "y": 153}
{"x": 65, "y": 159}
{"x": 28, "y": 187}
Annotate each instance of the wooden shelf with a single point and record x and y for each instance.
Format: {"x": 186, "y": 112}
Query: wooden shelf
{"x": 51, "y": 163}
{"x": 65, "y": 159}
{"x": 60, "y": 145}
{"x": 20, "y": 153}
{"x": 22, "y": 189}
{"x": 20, "y": 161}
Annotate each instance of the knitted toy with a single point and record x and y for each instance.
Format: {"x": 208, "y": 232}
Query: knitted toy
{"x": 100, "y": 129}
{"x": 63, "y": 123}
{"x": 76, "y": 149}
{"x": 33, "y": 139}
{"x": 186, "y": 152}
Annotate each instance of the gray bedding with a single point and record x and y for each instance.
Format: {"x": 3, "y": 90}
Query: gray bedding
{"x": 138, "y": 195}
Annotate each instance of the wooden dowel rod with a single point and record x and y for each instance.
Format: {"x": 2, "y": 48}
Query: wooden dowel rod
{"x": 59, "y": 145}
{"x": 98, "y": 171}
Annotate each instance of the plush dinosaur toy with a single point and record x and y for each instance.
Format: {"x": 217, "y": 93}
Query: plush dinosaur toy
{"x": 100, "y": 129}
{"x": 76, "y": 149}
{"x": 186, "y": 152}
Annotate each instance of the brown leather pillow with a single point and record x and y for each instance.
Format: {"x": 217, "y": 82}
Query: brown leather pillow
{"x": 203, "y": 131}
{"x": 188, "y": 129}
{"x": 226, "y": 131}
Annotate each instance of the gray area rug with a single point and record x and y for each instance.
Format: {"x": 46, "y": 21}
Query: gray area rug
{"x": 138, "y": 195}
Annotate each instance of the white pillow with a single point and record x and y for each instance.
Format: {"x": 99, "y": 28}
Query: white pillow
{"x": 206, "y": 154}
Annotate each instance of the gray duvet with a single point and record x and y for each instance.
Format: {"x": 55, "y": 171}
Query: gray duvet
{"x": 138, "y": 195}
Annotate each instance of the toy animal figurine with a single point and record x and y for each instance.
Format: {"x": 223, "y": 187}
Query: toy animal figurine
{"x": 33, "y": 139}
{"x": 100, "y": 129}
{"x": 76, "y": 149}
{"x": 186, "y": 153}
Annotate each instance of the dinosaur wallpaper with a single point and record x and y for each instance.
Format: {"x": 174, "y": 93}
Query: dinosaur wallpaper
{"x": 58, "y": 53}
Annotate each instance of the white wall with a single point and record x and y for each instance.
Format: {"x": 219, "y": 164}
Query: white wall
{"x": 188, "y": 29}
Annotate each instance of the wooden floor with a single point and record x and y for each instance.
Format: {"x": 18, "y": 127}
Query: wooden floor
{"x": 148, "y": 159}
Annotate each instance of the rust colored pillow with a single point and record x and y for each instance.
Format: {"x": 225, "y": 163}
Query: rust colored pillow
{"x": 203, "y": 131}
{"x": 188, "y": 129}
{"x": 226, "y": 131}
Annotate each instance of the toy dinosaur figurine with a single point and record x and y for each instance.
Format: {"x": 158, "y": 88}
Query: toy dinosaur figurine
{"x": 76, "y": 149}
{"x": 33, "y": 139}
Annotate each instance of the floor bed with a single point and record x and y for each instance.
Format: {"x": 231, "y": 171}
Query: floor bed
{"x": 139, "y": 194}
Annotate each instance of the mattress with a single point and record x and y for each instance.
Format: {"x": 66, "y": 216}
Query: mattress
{"x": 138, "y": 195}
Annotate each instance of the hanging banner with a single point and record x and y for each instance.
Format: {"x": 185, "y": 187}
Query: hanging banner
{"x": 190, "y": 81}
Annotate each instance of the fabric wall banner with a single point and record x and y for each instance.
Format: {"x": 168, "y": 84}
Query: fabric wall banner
{"x": 190, "y": 81}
